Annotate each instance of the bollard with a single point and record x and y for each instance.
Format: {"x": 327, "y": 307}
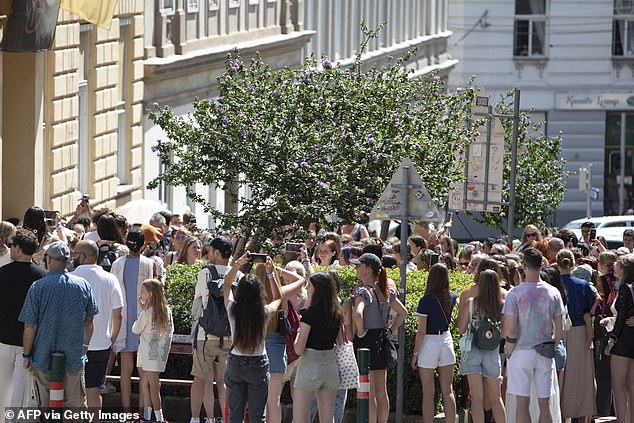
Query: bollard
{"x": 56, "y": 384}
{"x": 363, "y": 392}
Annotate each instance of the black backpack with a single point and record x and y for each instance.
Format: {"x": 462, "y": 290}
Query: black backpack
{"x": 215, "y": 320}
{"x": 107, "y": 255}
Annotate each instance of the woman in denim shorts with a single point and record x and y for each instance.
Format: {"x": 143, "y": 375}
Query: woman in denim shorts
{"x": 484, "y": 368}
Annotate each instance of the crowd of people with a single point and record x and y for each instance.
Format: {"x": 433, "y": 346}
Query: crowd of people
{"x": 547, "y": 327}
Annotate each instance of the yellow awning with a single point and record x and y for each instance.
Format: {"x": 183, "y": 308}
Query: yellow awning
{"x": 98, "y": 12}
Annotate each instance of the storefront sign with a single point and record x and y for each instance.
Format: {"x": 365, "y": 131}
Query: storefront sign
{"x": 594, "y": 101}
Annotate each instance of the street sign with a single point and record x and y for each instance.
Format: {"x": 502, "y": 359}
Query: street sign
{"x": 421, "y": 206}
{"x": 594, "y": 193}
{"x": 482, "y": 188}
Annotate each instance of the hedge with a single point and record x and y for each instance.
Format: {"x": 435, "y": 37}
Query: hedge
{"x": 181, "y": 282}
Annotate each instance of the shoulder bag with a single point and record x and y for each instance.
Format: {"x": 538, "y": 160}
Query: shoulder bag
{"x": 466, "y": 341}
{"x": 391, "y": 354}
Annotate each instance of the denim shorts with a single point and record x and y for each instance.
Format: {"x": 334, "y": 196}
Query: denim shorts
{"x": 276, "y": 351}
{"x": 560, "y": 356}
{"x": 479, "y": 362}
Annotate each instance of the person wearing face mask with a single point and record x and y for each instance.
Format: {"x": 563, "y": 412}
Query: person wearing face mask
{"x": 107, "y": 323}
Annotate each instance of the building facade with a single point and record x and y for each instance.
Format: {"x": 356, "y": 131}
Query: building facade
{"x": 573, "y": 61}
{"x": 187, "y": 42}
{"x": 71, "y": 120}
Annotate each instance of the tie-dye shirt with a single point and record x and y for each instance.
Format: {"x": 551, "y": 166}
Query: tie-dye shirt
{"x": 535, "y": 305}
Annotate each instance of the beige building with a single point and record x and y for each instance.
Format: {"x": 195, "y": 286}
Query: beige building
{"x": 187, "y": 42}
{"x": 71, "y": 120}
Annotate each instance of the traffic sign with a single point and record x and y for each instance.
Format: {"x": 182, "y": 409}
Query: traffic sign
{"x": 421, "y": 206}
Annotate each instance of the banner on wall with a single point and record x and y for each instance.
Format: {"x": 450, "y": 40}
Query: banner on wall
{"x": 30, "y": 26}
{"x": 98, "y": 12}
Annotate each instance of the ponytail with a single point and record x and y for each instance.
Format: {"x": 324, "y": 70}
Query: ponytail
{"x": 382, "y": 283}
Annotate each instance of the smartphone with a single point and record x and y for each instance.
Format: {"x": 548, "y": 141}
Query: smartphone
{"x": 593, "y": 234}
{"x": 292, "y": 247}
{"x": 257, "y": 258}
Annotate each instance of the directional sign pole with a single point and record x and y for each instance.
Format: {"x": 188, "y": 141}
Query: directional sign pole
{"x": 403, "y": 289}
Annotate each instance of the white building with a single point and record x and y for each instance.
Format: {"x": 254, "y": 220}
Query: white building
{"x": 187, "y": 42}
{"x": 573, "y": 61}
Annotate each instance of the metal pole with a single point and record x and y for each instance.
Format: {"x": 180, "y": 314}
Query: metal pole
{"x": 400, "y": 370}
{"x": 56, "y": 384}
{"x": 622, "y": 169}
{"x": 516, "y": 124}
{"x": 589, "y": 192}
{"x": 363, "y": 393}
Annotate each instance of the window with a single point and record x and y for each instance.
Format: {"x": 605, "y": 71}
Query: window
{"x": 167, "y": 5}
{"x": 214, "y": 5}
{"x": 192, "y": 6}
{"x": 234, "y": 3}
{"x": 530, "y": 28}
{"x": 623, "y": 28}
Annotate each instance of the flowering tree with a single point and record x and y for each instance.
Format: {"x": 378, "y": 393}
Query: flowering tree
{"x": 541, "y": 172}
{"x": 315, "y": 140}
{"x": 321, "y": 140}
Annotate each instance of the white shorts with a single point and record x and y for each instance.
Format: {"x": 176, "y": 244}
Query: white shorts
{"x": 526, "y": 367}
{"x": 436, "y": 351}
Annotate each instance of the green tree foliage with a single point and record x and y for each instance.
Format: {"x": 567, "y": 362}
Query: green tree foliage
{"x": 314, "y": 140}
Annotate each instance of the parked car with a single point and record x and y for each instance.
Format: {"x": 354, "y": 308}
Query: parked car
{"x": 609, "y": 227}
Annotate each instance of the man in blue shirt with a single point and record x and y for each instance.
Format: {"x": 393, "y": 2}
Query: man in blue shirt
{"x": 58, "y": 317}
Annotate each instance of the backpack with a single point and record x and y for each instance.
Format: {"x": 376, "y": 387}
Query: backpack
{"x": 215, "y": 320}
{"x": 107, "y": 255}
{"x": 486, "y": 334}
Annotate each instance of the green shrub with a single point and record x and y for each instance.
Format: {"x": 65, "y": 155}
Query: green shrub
{"x": 181, "y": 282}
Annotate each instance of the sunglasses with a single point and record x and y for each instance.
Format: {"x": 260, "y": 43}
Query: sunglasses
{"x": 531, "y": 235}
{"x": 180, "y": 237}
{"x": 463, "y": 263}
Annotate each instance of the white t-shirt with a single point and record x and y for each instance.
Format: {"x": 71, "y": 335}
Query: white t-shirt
{"x": 91, "y": 236}
{"x": 202, "y": 292}
{"x": 261, "y": 349}
{"x": 107, "y": 292}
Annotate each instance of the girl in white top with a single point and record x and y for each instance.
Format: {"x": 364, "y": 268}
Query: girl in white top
{"x": 155, "y": 327}
{"x": 247, "y": 374}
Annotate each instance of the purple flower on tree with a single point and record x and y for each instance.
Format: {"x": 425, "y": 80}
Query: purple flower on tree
{"x": 323, "y": 185}
{"x": 326, "y": 63}
{"x": 371, "y": 140}
{"x": 436, "y": 78}
{"x": 303, "y": 165}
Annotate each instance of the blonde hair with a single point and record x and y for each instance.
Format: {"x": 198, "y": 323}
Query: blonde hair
{"x": 160, "y": 309}
{"x": 7, "y": 231}
{"x": 565, "y": 260}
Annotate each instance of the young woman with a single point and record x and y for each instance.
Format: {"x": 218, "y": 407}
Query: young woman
{"x": 484, "y": 367}
{"x": 247, "y": 374}
{"x": 190, "y": 251}
{"x": 530, "y": 234}
{"x": 578, "y": 390}
{"x": 177, "y": 240}
{"x": 621, "y": 340}
{"x": 373, "y": 301}
{"x": 417, "y": 244}
{"x": 433, "y": 349}
{"x": 155, "y": 327}
{"x": 317, "y": 372}
{"x": 131, "y": 271}
{"x": 327, "y": 254}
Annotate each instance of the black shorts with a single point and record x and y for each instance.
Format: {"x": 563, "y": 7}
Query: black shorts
{"x": 96, "y": 368}
{"x": 371, "y": 342}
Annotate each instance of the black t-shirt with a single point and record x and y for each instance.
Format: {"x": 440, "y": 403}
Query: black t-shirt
{"x": 15, "y": 280}
{"x": 323, "y": 334}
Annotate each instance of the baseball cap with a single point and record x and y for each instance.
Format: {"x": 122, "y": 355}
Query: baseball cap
{"x": 222, "y": 244}
{"x": 368, "y": 259}
{"x": 58, "y": 251}
{"x": 583, "y": 271}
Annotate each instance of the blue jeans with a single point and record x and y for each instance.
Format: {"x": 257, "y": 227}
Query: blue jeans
{"x": 247, "y": 381}
{"x": 340, "y": 405}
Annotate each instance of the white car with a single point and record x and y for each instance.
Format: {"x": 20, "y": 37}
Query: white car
{"x": 609, "y": 227}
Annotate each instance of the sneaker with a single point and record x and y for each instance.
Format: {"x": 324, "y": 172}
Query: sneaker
{"x": 107, "y": 388}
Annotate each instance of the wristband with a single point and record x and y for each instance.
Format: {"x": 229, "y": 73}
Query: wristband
{"x": 86, "y": 345}
{"x": 26, "y": 355}
{"x": 511, "y": 340}
{"x": 271, "y": 275}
